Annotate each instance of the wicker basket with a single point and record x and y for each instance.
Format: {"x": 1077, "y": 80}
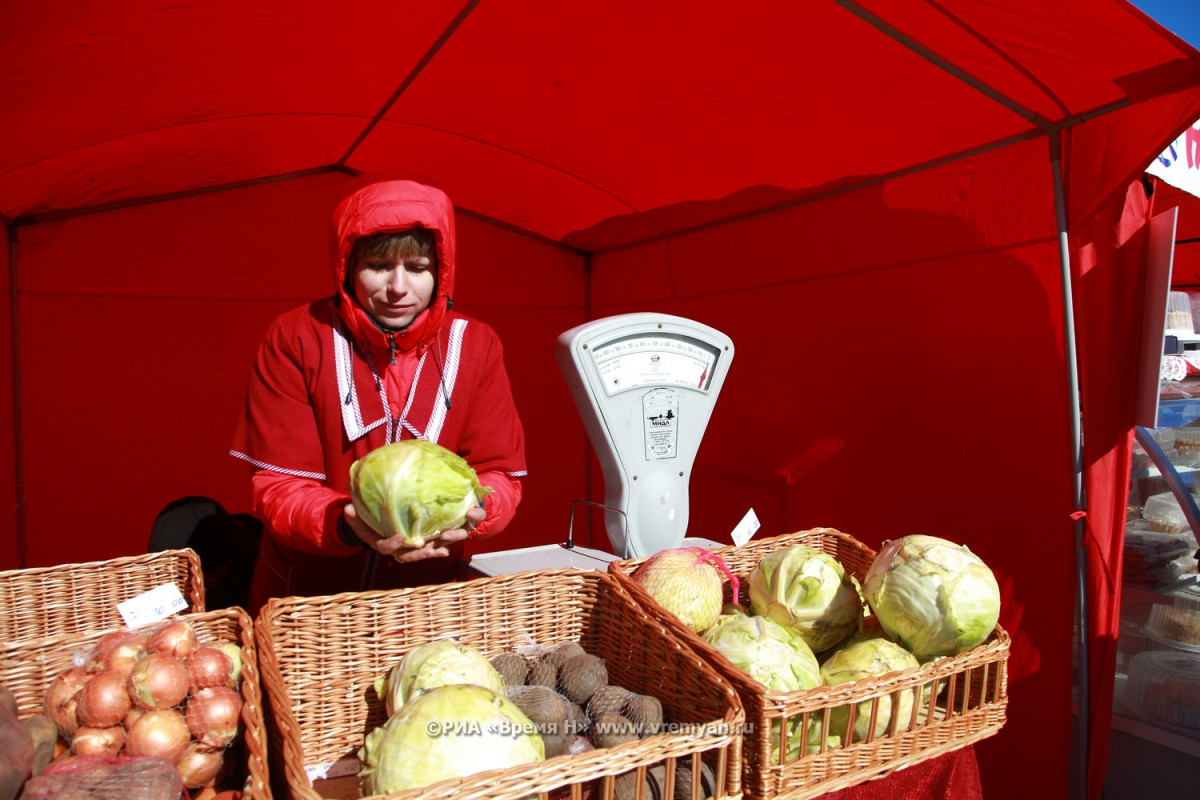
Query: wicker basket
{"x": 320, "y": 656}
{"x": 79, "y": 598}
{"x": 971, "y": 692}
{"x": 28, "y": 668}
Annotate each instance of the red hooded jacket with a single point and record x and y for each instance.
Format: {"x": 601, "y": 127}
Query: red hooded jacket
{"x": 329, "y": 385}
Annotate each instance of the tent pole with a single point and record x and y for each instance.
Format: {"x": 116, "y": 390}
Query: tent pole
{"x": 1080, "y": 503}
{"x": 588, "y": 488}
{"x": 18, "y": 449}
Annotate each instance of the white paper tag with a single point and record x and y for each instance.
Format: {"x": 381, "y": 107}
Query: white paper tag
{"x": 746, "y": 528}
{"x": 338, "y": 769}
{"x": 317, "y": 772}
{"x": 152, "y": 606}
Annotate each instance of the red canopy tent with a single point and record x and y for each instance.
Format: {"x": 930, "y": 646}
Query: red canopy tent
{"x": 876, "y": 200}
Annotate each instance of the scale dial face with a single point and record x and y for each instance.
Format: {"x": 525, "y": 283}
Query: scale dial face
{"x": 656, "y": 359}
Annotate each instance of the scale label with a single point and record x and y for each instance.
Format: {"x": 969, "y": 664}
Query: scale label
{"x": 660, "y": 415}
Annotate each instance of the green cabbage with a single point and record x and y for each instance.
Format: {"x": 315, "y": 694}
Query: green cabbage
{"x": 869, "y": 628}
{"x": 435, "y": 664}
{"x": 864, "y": 659}
{"x": 807, "y": 591}
{"x": 448, "y": 732}
{"x": 777, "y": 658}
{"x": 933, "y": 596}
{"x": 766, "y": 651}
{"x": 415, "y": 489}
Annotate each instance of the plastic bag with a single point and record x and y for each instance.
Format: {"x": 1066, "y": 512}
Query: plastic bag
{"x": 94, "y": 778}
{"x": 155, "y": 692}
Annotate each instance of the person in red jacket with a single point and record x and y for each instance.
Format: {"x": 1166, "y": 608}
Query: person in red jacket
{"x": 384, "y": 359}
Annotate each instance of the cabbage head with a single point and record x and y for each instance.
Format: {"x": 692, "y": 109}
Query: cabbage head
{"x": 864, "y": 659}
{"x": 428, "y": 666}
{"x": 807, "y": 591}
{"x": 933, "y": 596}
{"x": 448, "y": 732}
{"x": 415, "y": 489}
{"x": 869, "y": 628}
{"x": 779, "y": 659}
{"x": 766, "y": 651}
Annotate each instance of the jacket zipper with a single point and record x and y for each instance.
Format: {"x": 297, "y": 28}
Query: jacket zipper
{"x": 391, "y": 337}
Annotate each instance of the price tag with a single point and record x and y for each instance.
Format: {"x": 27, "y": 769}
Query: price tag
{"x": 746, "y": 528}
{"x": 341, "y": 768}
{"x": 152, "y": 606}
{"x": 317, "y": 772}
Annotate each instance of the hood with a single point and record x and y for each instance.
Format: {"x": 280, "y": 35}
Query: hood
{"x": 387, "y": 206}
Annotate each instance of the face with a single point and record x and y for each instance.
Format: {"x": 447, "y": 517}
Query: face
{"x": 394, "y": 289}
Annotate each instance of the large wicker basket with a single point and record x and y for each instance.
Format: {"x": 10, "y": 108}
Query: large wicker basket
{"x": 320, "y": 656}
{"x": 28, "y": 668}
{"x": 40, "y": 602}
{"x": 970, "y": 691}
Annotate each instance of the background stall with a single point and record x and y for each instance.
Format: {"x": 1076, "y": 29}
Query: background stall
{"x": 862, "y": 195}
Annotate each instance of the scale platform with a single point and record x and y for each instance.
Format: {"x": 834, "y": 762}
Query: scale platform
{"x": 552, "y": 556}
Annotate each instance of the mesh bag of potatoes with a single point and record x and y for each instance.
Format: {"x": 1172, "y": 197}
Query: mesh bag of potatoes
{"x": 566, "y": 692}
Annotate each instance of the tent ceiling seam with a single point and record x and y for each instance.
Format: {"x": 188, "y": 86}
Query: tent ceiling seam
{"x": 1012, "y": 62}
{"x": 541, "y": 163}
{"x": 508, "y": 226}
{"x": 419, "y": 67}
{"x": 944, "y": 64}
{"x": 99, "y": 208}
{"x": 1033, "y": 133}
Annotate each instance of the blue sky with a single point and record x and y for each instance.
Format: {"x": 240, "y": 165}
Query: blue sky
{"x": 1180, "y": 17}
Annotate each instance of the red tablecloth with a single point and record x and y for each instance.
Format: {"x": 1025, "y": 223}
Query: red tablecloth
{"x": 954, "y": 776}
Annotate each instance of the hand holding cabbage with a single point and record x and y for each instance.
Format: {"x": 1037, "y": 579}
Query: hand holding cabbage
{"x": 412, "y": 492}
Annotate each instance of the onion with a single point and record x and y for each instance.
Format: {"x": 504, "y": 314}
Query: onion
{"x": 173, "y": 638}
{"x": 208, "y": 666}
{"x": 103, "y": 701}
{"x": 235, "y": 654}
{"x": 158, "y": 681}
{"x": 60, "y": 703}
{"x": 132, "y": 716}
{"x": 213, "y": 715}
{"x": 161, "y": 733}
{"x": 117, "y": 651}
{"x": 199, "y": 765}
{"x": 105, "y": 742}
{"x": 687, "y": 582}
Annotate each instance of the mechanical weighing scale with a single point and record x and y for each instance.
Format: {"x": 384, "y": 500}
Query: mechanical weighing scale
{"x": 645, "y": 385}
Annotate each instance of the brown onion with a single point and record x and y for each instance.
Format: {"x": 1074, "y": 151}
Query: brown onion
{"x": 213, "y": 715}
{"x": 132, "y": 716}
{"x": 173, "y": 638}
{"x": 117, "y": 651}
{"x": 208, "y": 666}
{"x": 199, "y": 765}
{"x": 158, "y": 681}
{"x": 161, "y": 733}
{"x": 103, "y": 701}
{"x": 105, "y": 742}
{"x": 60, "y": 704}
{"x": 235, "y": 654}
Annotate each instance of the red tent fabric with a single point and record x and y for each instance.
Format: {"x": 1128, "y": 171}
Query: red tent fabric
{"x": 861, "y": 194}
